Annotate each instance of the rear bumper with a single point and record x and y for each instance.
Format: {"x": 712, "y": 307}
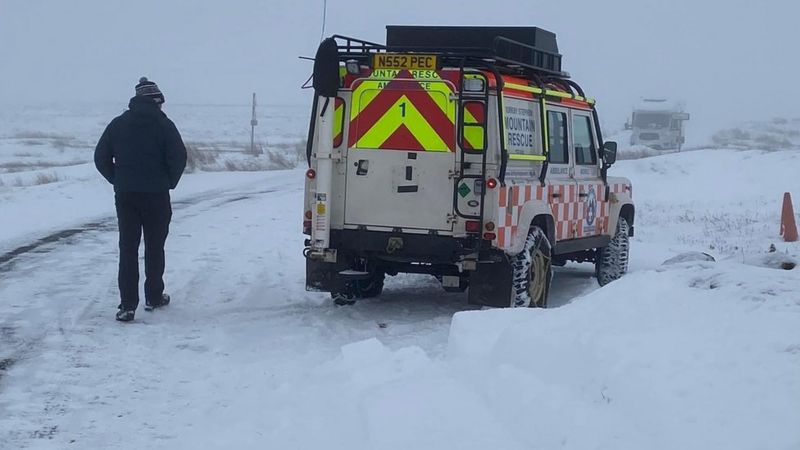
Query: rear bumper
{"x": 403, "y": 247}
{"x": 490, "y": 281}
{"x": 387, "y": 252}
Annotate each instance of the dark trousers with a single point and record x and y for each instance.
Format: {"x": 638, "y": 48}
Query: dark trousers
{"x": 138, "y": 212}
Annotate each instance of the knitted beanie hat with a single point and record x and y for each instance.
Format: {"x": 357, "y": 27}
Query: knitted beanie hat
{"x": 149, "y": 89}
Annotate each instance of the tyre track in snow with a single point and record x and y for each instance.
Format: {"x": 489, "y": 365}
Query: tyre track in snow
{"x": 14, "y": 347}
{"x": 66, "y": 265}
{"x": 45, "y": 244}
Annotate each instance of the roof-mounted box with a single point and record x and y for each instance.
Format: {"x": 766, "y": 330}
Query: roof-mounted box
{"x": 529, "y": 47}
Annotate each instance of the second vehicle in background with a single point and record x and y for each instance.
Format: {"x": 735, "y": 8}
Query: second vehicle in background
{"x": 659, "y": 124}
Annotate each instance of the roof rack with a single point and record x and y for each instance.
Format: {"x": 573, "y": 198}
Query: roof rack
{"x": 532, "y": 51}
{"x": 516, "y": 53}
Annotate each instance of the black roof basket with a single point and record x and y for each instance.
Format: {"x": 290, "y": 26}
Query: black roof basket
{"x": 512, "y": 49}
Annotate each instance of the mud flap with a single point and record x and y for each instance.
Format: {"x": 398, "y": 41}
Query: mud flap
{"x": 323, "y": 276}
{"x": 491, "y": 284}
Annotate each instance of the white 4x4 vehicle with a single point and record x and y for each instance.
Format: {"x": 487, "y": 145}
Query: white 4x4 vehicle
{"x": 461, "y": 152}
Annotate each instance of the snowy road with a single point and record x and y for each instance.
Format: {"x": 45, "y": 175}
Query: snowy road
{"x": 240, "y": 318}
{"x": 245, "y": 358}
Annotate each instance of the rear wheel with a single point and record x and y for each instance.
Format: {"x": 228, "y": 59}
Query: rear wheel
{"x": 533, "y": 271}
{"x": 612, "y": 260}
{"x": 358, "y": 289}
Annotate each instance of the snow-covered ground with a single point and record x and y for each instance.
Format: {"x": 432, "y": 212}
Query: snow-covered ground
{"x": 778, "y": 134}
{"x": 48, "y": 181}
{"x": 694, "y": 355}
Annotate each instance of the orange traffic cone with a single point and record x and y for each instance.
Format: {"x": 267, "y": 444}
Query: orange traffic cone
{"x": 788, "y": 225}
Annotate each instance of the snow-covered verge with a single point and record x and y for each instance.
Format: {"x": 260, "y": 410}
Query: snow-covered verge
{"x": 47, "y": 177}
{"x": 694, "y": 355}
{"x": 82, "y": 197}
{"x": 777, "y": 134}
{"x": 725, "y": 202}
{"x": 39, "y": 145}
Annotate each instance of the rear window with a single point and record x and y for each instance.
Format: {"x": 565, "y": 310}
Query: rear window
{"x": 557, "y": 137}
{"x": 651, "y": 120}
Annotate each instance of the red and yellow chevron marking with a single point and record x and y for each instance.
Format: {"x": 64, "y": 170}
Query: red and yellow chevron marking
{"x": 338, "y": 122}
{"x": 403, "y": 113}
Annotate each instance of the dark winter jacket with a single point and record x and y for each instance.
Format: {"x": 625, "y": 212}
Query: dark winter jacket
{"x": 141, "y": 150}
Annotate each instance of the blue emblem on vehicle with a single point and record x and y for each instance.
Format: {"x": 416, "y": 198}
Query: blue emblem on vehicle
{"x": 591, "y": 207}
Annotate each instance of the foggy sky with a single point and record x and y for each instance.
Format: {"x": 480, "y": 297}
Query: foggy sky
{"x": 729, "y": 60}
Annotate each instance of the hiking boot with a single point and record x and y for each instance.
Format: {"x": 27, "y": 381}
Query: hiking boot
{"x": 125, "y": 315}
{"x": 149, "y": 305}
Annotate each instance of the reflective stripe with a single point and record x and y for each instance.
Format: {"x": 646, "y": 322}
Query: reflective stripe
{"x": 520, "y": 157}
{"x": 558, "y": 94}
{"x": 545, "y": 132}
{"x": 552, "y": 93}
{"x": 534, "y": 90}
{"x": 523, "y": 88}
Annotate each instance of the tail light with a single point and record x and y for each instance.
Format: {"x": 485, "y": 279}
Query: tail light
{"x": 307, "y": 215}
{"x": 489, "y": 236}
{"x": 473, "y": 226}
{"x": 489, "y": 226}
{"x": 311, "y": 174}
{"x": 491, "y": 183}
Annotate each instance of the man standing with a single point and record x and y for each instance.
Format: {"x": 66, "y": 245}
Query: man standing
{"x": 142, "y": 154}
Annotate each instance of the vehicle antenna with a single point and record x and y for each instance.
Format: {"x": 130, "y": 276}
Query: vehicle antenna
{"x": 324, "y": 18}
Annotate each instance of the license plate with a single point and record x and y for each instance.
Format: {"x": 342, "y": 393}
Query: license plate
{"x": 404, "y": 61}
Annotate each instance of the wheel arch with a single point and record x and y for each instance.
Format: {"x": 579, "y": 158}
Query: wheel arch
{"x": 533, "y": 213}
{"x": 626, "y": 210}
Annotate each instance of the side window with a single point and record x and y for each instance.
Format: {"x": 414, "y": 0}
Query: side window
{"x": 557, "y": 137}
{"x": 585, "y": 153}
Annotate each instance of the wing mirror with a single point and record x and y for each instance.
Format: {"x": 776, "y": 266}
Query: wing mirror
{"x": 609, "y": 153}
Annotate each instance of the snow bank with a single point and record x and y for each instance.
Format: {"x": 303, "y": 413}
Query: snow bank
{"x": 685, "y": 357}
{"x": 690, "y": 356}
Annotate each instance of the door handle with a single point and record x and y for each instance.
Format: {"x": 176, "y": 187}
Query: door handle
{"x": 362, "y": 167}
{"x": 583, "y": 195}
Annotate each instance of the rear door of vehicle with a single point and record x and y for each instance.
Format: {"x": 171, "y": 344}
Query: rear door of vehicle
{"x": 401, "y": 152}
